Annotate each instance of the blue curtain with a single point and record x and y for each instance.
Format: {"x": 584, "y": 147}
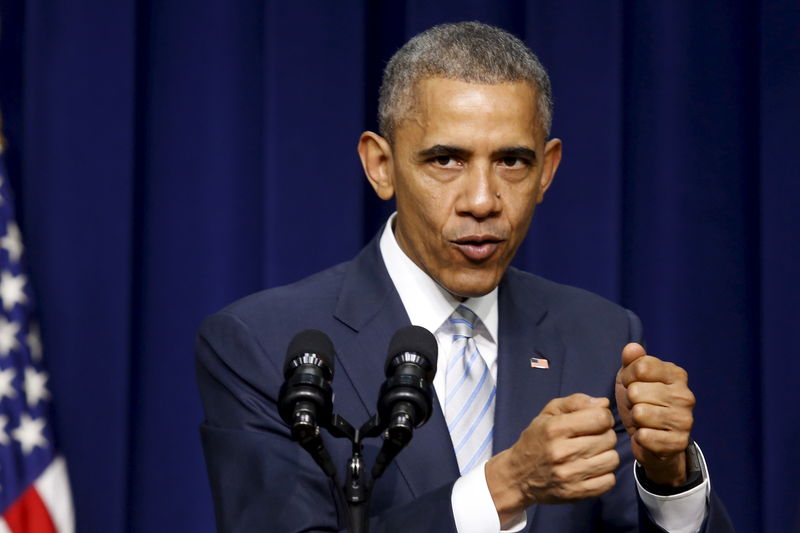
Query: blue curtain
{"x": 170, "y": 157}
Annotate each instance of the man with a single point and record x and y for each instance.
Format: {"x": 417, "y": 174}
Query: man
{"x": 543, "y": 396}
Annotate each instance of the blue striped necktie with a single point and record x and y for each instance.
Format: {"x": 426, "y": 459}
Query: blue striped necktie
{"x": 470, "y": 393}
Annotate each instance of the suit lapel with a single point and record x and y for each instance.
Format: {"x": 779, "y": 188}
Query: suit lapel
{"x": 370, "y": 306}
{"x": 524, "y": 332}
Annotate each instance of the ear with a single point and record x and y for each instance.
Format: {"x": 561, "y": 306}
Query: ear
{"x": 552, "y": 157}
{"x": 376, "y": 158}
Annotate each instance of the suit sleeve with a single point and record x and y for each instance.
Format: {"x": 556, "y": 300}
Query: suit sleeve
{"x": 260, "y": 479}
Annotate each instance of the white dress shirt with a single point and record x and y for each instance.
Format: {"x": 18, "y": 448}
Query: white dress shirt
{"x": 429, "y": 305}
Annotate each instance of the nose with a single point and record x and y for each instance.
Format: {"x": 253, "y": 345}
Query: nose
{"x": 479, "y": 196}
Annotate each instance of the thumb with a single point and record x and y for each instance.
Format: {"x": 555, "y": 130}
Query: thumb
{"x": 572, "y": 403}
{"x": 631, "y": 352}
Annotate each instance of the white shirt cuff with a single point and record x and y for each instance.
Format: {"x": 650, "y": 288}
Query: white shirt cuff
{"x": 473, "y": 507}
{"x": 679, "y": 513}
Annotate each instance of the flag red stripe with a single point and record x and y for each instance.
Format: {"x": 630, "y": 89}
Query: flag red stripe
{"x": 29, "y": 514}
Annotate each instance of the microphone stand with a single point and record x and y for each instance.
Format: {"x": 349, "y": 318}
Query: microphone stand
{"x": 357, "y": 488}
{"x": 397, "y": 429}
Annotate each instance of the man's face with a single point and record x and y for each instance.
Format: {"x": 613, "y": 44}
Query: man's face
{"x": 468, "y": 166}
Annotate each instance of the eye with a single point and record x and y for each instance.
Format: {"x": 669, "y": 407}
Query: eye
{"x": 446, "y": 161}
{"x": 513, "y": 162}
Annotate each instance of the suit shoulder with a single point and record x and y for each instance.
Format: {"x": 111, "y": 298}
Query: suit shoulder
{"x": 285, "y": 303}
{"x": 567, "y": 302}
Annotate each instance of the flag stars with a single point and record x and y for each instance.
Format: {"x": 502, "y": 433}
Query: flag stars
{"x": 12, "y": 289}
{"x": 29, "y": 433}
{"x": 35, "y": 389}
{"x": 6, "y": 387}
{"x": 8, "y": 336}
{"x": 12, "y": 242}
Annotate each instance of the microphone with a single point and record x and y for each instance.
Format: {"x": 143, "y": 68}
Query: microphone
{"x": 305, "y": 401}
{"x": 405, "y": 400}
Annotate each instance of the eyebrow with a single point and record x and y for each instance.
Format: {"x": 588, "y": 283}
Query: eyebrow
{"x": 523, "y": 152}
{"x": 443, "y": 149}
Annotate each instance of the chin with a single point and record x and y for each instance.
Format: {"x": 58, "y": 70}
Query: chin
{"x": 469, "y": 288}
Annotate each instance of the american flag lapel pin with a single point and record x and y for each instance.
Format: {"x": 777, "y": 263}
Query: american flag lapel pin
{"x": 539, "y": 362}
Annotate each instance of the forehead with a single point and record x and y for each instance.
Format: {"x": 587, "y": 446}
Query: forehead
{"x": 505, "y": 112}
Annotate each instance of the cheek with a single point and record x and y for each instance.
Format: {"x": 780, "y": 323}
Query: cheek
{"x": 420, "y": 225}
{"x": 429, "y": 208}
{"x": 520, "y": 219}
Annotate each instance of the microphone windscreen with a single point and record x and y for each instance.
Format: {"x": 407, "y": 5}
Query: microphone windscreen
{"x": 414, "y": 339}
{"x": 309, "y": 341}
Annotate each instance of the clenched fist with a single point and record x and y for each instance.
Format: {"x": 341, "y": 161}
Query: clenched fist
{"x": 565, "y": 454}
{"x": 655, "y": 404}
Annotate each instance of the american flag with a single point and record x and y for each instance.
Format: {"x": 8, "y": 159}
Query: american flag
{"x": 34, "y": 489}
{"x": 539, "y": 362}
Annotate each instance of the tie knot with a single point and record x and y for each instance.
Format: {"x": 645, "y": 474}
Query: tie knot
{"x": 463, "y": 321}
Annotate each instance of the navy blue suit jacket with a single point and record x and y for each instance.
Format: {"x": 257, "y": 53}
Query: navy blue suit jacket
{"x": 263, "y": 481}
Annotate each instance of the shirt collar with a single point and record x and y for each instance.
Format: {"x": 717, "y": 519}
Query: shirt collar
{"x": 426, "y": 302}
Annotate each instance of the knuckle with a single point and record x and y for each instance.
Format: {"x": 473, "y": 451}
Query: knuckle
{"x": 611, "y": 439}
{"x": 577, "y": 397}
{"x": 557, "y": 454}
{"x": 641, "y": 367}
{"x": 550, "y": 428}
{"x": 690, "y": 399}
{"x": 683, "y": 397}
{"x": 551, "y": 452}
{"x": 615, "y": 460}
{"x": 645, "y": 437}
{"x": 598, "y": 416}
{"x": 555, "y": 406}
{"x": 635, "y": 392}
{"x": 554, "y": 402}
{"x": 582, "y": 400}
{"x": 601, "y": 485}
{"x": 552, "y": 406}
{"x": 561, "y": 474}
{"x": 639, "y": 413}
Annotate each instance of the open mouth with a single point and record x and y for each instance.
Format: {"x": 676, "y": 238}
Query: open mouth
{"x": 477, "y": 247}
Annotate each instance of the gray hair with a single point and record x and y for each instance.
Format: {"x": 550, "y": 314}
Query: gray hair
{"x": 465, "y": 51}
